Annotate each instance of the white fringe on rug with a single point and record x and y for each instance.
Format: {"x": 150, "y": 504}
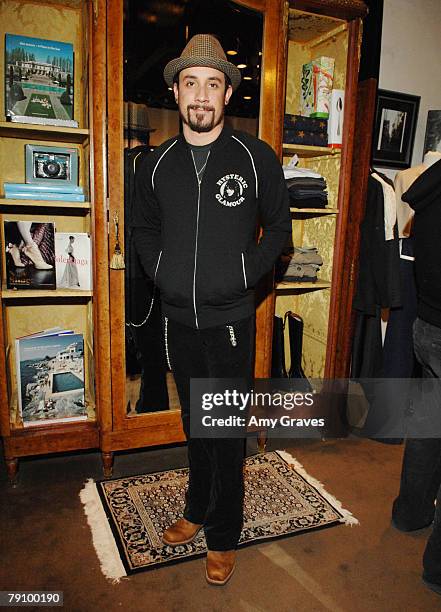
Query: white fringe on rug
{"x": 104, "y": 542}
{"x": 102, "y": 536}
{"x": 347, "y": 517}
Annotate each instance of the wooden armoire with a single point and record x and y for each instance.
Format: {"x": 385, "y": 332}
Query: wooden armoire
{"x": 294, "y": 32}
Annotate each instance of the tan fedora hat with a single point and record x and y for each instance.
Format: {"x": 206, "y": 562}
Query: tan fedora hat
{"x": 202, "y": 50}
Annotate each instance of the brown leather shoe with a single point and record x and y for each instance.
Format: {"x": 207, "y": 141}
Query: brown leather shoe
{"x": 220, "y": 566}
{"x": 182, "y": 532}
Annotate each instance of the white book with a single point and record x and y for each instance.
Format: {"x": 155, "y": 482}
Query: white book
{"x": 73, "y": 265}
{"x": 42, "y": 121}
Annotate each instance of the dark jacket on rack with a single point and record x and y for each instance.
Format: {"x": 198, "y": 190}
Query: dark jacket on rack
{"x": 144, "y": 332}
{"x": 136, "y": 303}
{"x": 424, "y": 196}
{"x": 379, "y": 261}
{"x": 198, "y": 240}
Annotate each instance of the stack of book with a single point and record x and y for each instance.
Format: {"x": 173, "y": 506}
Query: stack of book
{"x": 40, "y": 191}
{"x": 50, "y": 377}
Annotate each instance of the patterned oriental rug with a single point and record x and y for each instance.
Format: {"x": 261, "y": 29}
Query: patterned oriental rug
{"x": 127, "y": 516}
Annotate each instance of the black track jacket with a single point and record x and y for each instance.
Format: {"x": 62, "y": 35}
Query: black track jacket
{"x": 198, "y": 241}
{"x": 424, "y": 196}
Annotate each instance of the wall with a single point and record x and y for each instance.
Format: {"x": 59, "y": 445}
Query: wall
{"x": 411, "y": 47}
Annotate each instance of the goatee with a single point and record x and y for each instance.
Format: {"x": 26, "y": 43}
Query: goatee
{"x": 202, "y": 123}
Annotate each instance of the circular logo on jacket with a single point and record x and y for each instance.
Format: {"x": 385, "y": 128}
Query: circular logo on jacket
{"x": 231, "y": 188}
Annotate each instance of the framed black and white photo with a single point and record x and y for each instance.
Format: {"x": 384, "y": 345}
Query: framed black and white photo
{"x": 394, "y": 131}
{"x": 432, "y": 141}
{"x": 57, "y": 165}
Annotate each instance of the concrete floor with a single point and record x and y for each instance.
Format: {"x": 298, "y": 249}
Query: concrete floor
{"x": 45, "y": 542}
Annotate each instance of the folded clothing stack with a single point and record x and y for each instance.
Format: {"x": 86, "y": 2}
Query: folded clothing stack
{"x": 307, "y": 189}
{"x": 307, "y": 192}
{"x": 305, "y": 130}
{"x": 304, "y": 265}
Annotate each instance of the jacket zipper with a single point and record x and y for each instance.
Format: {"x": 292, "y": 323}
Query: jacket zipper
{"x": 232, "y": 335}
{"x": 196, "y": 239}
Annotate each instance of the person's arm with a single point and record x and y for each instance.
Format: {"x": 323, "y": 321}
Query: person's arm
{"x": 275, "y": 218}
{"x": 146, "y": 223}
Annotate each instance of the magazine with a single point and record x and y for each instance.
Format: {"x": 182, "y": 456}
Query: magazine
{"x": 30, "y": 255}
{"x": 39, "y": 78}
{"x": 50, "y": 377}
{"x": 73, "y": 261}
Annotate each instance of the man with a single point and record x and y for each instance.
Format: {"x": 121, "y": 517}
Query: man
{"x": 415, "y": 506}
{"x": 200, "y": 197}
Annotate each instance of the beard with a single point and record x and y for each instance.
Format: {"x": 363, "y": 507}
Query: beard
{"x": 199, "y": 121}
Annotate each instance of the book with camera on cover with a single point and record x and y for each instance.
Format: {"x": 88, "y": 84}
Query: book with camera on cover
{"x": 50, "y": 377}
{"x": 73, "y": 261}
{"x": 30, "y": 255}
{"x": 39, "y": 78}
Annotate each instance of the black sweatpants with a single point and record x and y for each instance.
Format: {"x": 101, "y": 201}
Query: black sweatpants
{"x": 216, "y": 489}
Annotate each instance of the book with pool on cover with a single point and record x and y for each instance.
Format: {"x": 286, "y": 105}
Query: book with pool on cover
{"x": 50, "y": 377}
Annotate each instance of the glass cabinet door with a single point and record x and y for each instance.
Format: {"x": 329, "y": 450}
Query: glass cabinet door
{"x": 142, "y": 114}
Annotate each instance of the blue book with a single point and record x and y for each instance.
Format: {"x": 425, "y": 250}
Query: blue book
{"x": 38, "y": 195}
{"x": 43, "y": 187}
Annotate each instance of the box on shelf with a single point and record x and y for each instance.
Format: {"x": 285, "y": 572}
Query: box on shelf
{"x": 305, "y": 131}
{"x": 336, "y": 116}
{"x": 314, "y": 139}
{"x": 316, "y": 86}
{"x": 310, "y": 124}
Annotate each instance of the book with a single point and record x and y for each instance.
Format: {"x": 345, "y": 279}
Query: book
{"x": 73, "y": 266}
{"x": 46, "y": 332}
{"x": 38, "y": 195}
{"x": 50, "y": 378}
{"x": 71, "y": 123}
{"x": 43, "y": 187}
{"x": 30, "y": 255}
{"x": 39, "y": 78}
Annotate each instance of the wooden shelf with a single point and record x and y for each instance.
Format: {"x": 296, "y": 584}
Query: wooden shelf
{"x": 290, "y": 285}
{"x": 310, "y": 29}
{"x": 18, "y": 427}
{"x": 44, "y": 203}
{"x": 59, "y": 437}
{"x": 43, "y": 132}
{"x": 308, "y": 151}
{"x": 315, "y": 211}
{"x": 14, "y": 294}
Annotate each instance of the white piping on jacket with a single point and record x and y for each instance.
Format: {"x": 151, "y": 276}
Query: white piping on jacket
{"x": 252, "y": 162}
{"x": 244, "y": 272}
{"x": 157, "y": 163}
{"x": 152, "y": 301}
